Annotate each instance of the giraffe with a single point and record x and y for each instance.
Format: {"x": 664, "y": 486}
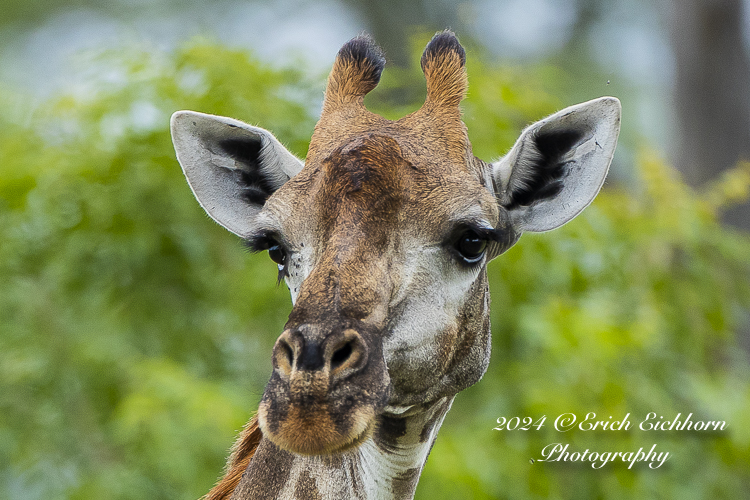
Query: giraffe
{"x": 382, "y": 235}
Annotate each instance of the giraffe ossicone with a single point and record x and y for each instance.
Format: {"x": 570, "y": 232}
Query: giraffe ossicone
{"x": 383, "y": 235}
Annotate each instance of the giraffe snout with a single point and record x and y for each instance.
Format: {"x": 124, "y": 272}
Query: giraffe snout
{"x": 328, "y": 385}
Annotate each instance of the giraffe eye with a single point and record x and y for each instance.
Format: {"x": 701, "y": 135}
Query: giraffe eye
{"x": 471, "y": 246}
{"x": 277, "y": 254}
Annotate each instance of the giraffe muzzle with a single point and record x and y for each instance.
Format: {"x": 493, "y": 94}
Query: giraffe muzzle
{"x": 327, "y": 388}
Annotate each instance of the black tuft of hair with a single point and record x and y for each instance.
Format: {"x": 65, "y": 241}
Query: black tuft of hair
{"x": 442, "y": 42}
{"x": 545, "y": 178}
{"x": 254, "y": 186}
{"x": 365, "y": 53}
{"x": 555, "y": 144}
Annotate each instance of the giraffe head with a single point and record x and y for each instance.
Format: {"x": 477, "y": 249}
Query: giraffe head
{"x": 383, "y": 235}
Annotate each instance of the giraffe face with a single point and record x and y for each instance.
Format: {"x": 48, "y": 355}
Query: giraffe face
{"x": 383, "y": 237}
{"x": 387, "y": 275}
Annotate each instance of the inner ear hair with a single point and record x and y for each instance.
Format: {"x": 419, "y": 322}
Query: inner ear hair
{"x": 540, "y": 165}
{"x": 255, "y": 180}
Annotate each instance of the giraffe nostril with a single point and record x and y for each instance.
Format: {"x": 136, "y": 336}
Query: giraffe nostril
{"x": 341, "y": 355}
{"x": 283, "y": 355}
{"x": 286, "y": 351}
{"x": 349, "y": 355}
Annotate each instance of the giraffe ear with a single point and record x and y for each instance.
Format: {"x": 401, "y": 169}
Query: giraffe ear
{"x": 558, "y": 165}
{"x": 231, "y": 167}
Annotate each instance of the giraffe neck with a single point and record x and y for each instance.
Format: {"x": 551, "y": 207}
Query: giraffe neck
{"x": 385, "y": 466}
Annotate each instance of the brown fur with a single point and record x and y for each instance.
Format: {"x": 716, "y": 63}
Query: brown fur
{"x": 364, "y": 178}
{"x": 443, "y": 63}
{"x": 355, "y": 72}
{"x": 242, "y": 452}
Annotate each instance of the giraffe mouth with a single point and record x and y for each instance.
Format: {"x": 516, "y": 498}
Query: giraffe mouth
{"x": 317, "y": 431}
{"x": 328, "y": 387}
{"x": 315, "y": 413}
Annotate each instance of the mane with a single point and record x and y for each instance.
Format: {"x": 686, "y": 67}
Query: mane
{"x": 242, "y": 452}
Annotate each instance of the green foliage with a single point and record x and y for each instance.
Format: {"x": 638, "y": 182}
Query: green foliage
{"x": 135, "y": 333}
{"x": 130, "y": 354}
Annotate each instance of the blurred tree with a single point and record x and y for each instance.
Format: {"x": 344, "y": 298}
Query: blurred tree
{"x": 712, "y": 97}
{"x": 712, "y": 91}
